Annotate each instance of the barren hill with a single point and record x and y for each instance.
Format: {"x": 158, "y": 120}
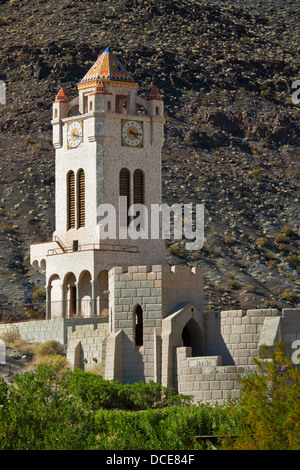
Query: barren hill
{"x": 232, "y": 137}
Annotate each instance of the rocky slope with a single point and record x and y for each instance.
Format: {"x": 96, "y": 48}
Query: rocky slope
{"x": 231, "y": 139}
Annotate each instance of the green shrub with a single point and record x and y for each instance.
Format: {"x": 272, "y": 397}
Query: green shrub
{"x": 289, "y": 296}
{"x": 262, "y": 242}
{"x": 269, "y": 406}
{"x": 288, "y": 231}
{"x": 47, "y": 348}
{"x": 97, "y": 392}
{"x": 38, "y": 414}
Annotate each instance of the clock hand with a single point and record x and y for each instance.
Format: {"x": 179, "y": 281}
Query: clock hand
{"x": 133, "y": 133}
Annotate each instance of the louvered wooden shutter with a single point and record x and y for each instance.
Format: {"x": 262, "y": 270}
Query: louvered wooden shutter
{"x": 124, "y": 190}
{"x": 138, "y": 187}
{"x": 81, "y": 199}
{"x": 71, "y": 199}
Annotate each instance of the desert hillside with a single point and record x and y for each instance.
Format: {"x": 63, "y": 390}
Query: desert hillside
{"x": 232, "y": 138}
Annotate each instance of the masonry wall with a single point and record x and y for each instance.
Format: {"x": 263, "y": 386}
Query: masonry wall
{"x": 232, "y": 339}
{"x": 207, "y": 381}
{"x": 157, "y": 291}
{"x": 44, "y": 330}
{"x": 290, "y": 328}
{"x": 235, "y": 334}
{"x": 86, "y": 346}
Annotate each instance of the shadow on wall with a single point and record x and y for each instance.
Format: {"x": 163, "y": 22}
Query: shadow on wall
{"x": 133, "y": 364}
{"x": 214, "y": 341}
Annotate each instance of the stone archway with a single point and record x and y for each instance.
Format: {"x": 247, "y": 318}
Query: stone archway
{"x": 192, "y": 337}
{"x": 102, "y": 297}
{"x": 84, "y": 291}
{"x": 53, "y": 297}
{"x": 185, "y": 324}
{"x": 70, "y": 302}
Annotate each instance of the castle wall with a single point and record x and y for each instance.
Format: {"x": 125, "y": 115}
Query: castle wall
{"x": 205, "y": 380}
{"x": 157, "y": 291}
{"x": 45, "y": 330}
{"x": 234, "y": 334}
{"x": 233, "y": 339}
{"x": 87, "y": 346}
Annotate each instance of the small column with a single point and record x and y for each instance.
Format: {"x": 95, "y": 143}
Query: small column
{"x": 78, "y": 305}
{"x": 48, "y": 302}
{"x": 63, "y": 301}
{"x": 94, "y": 307}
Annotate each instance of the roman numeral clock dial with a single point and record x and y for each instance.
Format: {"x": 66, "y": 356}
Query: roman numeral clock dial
{"x": 132, "y": 134}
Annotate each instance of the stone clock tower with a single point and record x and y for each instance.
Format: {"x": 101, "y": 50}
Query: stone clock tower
{"x": 107, "y": 151}
{"x": 108, "y": 158}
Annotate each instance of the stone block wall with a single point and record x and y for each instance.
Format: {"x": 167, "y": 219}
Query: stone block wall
{"x": 207, "y": 381}
{"x": 235, "y": 334}
{"x": 232, "y": 339}
{"x": 86, "y": 346}
{"x": 290, "y": 328}
{"x": 157, "y": 290}
{"x": 44, "y": 330}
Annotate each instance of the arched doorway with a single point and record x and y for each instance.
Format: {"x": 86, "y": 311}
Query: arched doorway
{"x": 191, "y": 336}
{"x": 102, "y": 299}
{"x": 53, "y": 297}
{"x": 71, "y": 295}
{"x": 85, "y": 294}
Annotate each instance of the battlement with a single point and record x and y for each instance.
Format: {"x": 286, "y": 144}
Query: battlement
{"x": 159, "y": 288}
{"x": 157, "y": 268}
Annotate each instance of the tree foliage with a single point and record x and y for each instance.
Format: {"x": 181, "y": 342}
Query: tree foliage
{"x": 53, "y": 409}
{"x": 269, "y": 407}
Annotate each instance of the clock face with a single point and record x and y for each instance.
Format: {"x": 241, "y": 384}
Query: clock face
{"x": 132, "y": 133}
{"x": 74, "y": 135}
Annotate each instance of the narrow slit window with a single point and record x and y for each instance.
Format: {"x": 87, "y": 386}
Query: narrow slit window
{"x": 138, "y": 195}
{"x": 71, "y": 199}
{"x": 138, "y": 316}
{"x": 81, "y": 199}
{"x": 124, "y": 190}
{"x": 138, "y": 187}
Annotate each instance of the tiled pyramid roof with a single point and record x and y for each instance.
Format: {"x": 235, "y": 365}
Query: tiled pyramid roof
{"x": 108, "y": 69}
{"x": 100, "y": 89}
{"x": 154, "y": 94}
{"x": 61, "y": 97}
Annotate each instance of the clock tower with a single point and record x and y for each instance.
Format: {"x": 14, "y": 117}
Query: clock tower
{"x": 107, "y": 159}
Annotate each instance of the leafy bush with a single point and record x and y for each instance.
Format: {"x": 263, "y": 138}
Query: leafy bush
{"x": 53, "y": 410}
{"x": 289, "y": 296}
{"x": 97, "y": 392}
{"x": 39, "y": 412}
{"x": 13, "y": 339}
{"x": 269, "y": 406}
{"x": 262, "y": 242}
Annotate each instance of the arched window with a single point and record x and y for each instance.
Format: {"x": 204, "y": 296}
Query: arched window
{"x": 138, "y": 193}
{"x": 138, "y": 187}
{"x": 138, "y": 319}
{"x": 124, "y": 190}
{"x": 81, "y": 198}
{"x": 70, "y": 200}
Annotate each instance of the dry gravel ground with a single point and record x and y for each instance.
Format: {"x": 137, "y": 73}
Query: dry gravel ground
{"x": 231, "y": 136}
